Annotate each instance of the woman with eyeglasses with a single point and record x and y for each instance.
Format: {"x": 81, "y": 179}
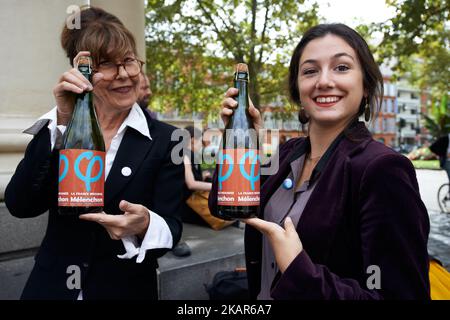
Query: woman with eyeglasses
{"x": 109, "y": 255}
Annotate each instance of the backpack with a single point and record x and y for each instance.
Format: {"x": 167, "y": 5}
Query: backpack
{"x": 229, "y": 285}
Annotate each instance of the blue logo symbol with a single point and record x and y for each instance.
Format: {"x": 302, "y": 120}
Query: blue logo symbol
{"x": 252, "y": 176}
{"x": 88, "y": 179}
{"x": 223, "y": 177}
{"x": 63, "y": 158}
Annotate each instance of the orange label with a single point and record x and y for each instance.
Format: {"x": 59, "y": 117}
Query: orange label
{"x": 81, "y": 178}
{"x": 238, "y": 177}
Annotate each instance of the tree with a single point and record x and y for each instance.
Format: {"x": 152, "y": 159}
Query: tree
{"x": 193, "y": 45}
{"x": 418, "y": 37}
{"x": 438, "y": 122}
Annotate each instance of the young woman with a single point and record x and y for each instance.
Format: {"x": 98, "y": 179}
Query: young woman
{"x": 342, "y": 218}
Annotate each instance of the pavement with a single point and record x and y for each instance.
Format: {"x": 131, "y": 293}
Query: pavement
{"x": 178, "y": 278}
{"x": 439, "y": 239}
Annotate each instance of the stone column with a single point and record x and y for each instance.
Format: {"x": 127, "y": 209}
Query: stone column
{"x": 32, "y": 60}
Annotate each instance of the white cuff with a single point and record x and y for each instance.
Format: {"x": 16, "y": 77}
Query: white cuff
{"x": 158, "y": 236}
{"x": 52, "y": 116}
{"x": 52, "y": 126}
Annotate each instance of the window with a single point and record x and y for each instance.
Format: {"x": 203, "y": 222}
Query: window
{"x": 391, "y": 125}
{"x": 268, "y": 121}
{"x": 389, "y": 105}
{"x": 377, "y": 126}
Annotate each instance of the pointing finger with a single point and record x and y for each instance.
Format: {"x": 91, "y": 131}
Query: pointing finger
{"x": 262, "y": 225}
{"x": 102, "y": 218}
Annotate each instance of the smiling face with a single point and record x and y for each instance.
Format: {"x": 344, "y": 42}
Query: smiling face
{"x": 118, "y": 94}
{"x": 330, "y": 81}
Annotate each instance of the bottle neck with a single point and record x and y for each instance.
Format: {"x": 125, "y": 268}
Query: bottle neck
{"x": 242, "y": 86}
{"x": 86, "y": 71}
{"x": 240, "y": 113}
{"x": 84, "y": 103}
{"x": 87, "y": 75}
{"x": 241, "y": 134}
{"x": 241, "y": 83}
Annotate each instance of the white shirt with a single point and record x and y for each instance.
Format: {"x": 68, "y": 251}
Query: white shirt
{"x": 158, "y": 234}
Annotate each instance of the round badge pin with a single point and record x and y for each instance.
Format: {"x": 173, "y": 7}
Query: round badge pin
{"x": 126, "y": 171}
{"x": 288, "y": 184}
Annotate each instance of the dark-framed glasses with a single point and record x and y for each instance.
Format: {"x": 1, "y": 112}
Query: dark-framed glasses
{"x": 110, "y": 69}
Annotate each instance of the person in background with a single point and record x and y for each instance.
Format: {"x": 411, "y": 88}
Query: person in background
{"x": 342, "y": 218}
{"x": 116, "y": 251}
{"x": 193, "y": 176}
{"x": 441, "y": 148}
{"x": 145, "y": 93}
{"x": 282, "y": 141}
{"x": 193, "y": 173}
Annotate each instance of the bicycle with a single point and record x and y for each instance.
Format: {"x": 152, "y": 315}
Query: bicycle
{"x": 443, "y": 197}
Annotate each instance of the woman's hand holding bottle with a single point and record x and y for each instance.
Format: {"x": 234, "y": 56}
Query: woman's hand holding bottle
{"x": 229, "y": 104}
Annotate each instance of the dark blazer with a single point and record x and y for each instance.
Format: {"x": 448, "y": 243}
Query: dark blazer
{"x": 365, "y": 210}
{"x": 440, "y": 147}
{"x": 155, "y": 182}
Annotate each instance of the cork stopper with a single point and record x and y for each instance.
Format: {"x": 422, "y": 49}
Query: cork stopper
{"x": 84, "y": 60}
{"x": 242, "y": 67}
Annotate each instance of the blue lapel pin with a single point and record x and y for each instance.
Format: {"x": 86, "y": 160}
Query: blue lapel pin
{"x": 288, "y": 184}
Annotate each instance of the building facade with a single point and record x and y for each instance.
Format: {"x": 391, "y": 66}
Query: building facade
{"x": 383, "y": 127}
{"x": 408, "y": 116}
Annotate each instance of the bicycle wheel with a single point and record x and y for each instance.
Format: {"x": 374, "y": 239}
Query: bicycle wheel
{"x": 444, "y": 198}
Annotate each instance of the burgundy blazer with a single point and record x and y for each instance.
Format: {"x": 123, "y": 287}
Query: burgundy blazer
{"x": 365, "y": 211}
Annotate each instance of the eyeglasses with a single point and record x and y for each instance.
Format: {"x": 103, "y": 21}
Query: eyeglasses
{"x": 110, "y": 70}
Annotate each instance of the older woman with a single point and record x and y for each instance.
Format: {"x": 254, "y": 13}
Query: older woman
{"x": 342, "y": 218}
{"x": 143, "y": 188}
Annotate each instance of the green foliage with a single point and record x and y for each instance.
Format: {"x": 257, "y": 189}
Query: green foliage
{"x": 417, "y": 37}
{"x": 426, "y": 164}
{"x": 192, "y": 47}
{"x": 438, "y": 120}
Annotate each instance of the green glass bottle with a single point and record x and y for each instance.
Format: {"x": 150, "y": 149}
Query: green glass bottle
{"x": 82, "y": 157}
{"x": 239, "y": 162}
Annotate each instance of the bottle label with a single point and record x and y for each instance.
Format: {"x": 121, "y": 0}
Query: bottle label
{"x": 238, "y": 177}
{"x": 81, "y": 178}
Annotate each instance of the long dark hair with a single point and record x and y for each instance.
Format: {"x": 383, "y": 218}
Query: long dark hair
{"x": 372, "y": 77}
